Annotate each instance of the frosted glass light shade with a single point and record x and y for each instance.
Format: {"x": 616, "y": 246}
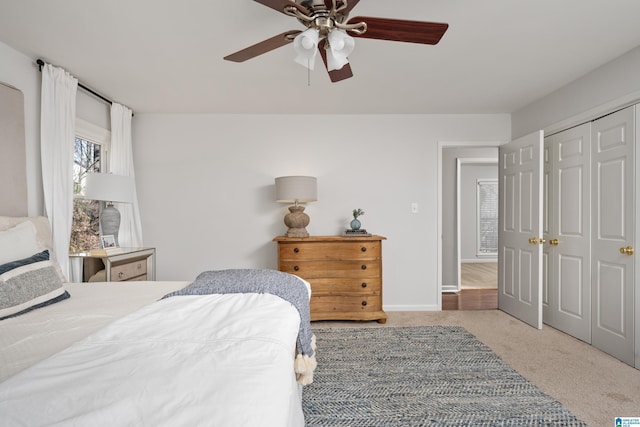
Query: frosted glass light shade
{"x": 341, "y": 45}
{"x": 305, "y": 45}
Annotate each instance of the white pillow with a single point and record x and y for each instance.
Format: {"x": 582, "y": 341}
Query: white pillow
{"x": 18, "y": 242}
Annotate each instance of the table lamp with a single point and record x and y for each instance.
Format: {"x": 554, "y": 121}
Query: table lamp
{"x": 296, "y": 189}
{"x": 109, "y": 188}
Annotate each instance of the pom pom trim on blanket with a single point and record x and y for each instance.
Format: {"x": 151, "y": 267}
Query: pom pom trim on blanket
{"x": 305, "y": 365}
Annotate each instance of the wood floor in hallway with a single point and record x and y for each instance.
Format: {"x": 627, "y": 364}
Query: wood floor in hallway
{"x": 481, "y": 275}
{"x": 470, "y": 299}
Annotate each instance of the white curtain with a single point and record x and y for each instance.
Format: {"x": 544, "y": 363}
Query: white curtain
{"x": 121, "y": 163}
{"x": 57, "y": 136}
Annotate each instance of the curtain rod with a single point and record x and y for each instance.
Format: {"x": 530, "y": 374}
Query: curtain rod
{"x": 40, "y": 63}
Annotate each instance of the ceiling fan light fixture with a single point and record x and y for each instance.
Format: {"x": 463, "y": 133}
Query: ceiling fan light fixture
{"x": 341, "y": 45}
{"x": 305, "y": 45}
{"x": 327, "y": 23}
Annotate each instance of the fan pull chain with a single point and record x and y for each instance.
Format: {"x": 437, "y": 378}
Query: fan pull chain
{"x": 308, "y": 72}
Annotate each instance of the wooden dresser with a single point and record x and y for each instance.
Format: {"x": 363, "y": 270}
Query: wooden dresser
{"x": 345, "y": 274}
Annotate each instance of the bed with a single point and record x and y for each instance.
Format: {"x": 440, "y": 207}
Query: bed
{"x": 233, "y": 348}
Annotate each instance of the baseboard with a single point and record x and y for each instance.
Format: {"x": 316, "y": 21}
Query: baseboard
{"x": 479, "y": 260}
{"x": 450, "y": 288}
{"x": 428, "y": 307}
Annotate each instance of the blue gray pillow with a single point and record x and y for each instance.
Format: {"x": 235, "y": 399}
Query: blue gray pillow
{"x": 28, "y": 284}
{"x": 42, "y": 256}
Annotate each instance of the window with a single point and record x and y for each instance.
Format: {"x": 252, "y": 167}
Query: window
{"x": 487, "y": 202}
{"x": 90, "y": 149}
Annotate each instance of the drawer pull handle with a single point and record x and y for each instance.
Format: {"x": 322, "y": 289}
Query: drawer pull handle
{"x": 363, "y": 267}
{"x": 120, "y": 275}
{"x": 296, "y": 268}
{"x": 364, "y": 284}
{"x": 363, "y": 249}
{"x": 364, "y": 303}
{"x": 139, "y": 266}
{"x": 296, "y": 250}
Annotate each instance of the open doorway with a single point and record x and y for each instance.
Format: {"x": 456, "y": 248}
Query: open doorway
{"x": 450, "y": 257}
{"x": 477, "y": 222}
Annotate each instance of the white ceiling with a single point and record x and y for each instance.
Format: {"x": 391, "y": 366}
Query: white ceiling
{"x": 166, "y": 55}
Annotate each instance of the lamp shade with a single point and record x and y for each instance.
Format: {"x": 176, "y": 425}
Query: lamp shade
{"x": 109, "y": 188}
{"x": 296, "y": 189}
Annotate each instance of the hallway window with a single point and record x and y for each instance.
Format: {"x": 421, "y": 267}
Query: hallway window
{"x": 487, "y": 203}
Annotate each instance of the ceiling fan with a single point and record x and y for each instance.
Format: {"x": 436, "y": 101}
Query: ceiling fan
{"x": 330, "y": 32}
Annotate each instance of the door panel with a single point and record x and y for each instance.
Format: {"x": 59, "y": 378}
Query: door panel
{"x": 568, "y": 307}
{"x": 547, "y": 223}
{"x": 570, "y": 293}
{"x": 526, "y": 216}
{"x": 611, "y": 295}
{"x": 520, "y": 219}
{"x": 613, "y": 213}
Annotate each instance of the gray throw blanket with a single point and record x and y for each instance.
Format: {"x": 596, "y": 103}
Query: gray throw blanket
{"x": 256, "y": 281}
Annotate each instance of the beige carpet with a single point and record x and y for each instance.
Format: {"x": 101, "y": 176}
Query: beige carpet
{"x": 594, "y": 386}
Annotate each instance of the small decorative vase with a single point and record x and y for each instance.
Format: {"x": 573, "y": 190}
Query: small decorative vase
{"x": 355, "y": 224}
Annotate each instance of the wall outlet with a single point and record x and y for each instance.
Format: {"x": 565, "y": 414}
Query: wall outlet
{"x": 414, "y": 207}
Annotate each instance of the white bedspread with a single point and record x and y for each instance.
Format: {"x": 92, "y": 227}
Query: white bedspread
{"x": 214, "y": 360}
{"x": 32, "y": 337}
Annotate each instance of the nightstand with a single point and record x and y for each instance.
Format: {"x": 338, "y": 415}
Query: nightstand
{"x": 345, "y": 274}
{"x": 120, "y": 265}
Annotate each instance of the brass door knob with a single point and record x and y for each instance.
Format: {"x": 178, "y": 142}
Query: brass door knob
{"x": 554, "y": 242}
{"x": 536, "y": 241}
{"x": 627, "y": 250}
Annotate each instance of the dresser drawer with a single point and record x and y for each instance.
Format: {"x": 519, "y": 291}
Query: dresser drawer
{"x": 345, "y": 274}
{"x": 129, "y": 271}
{"x": 329, "y": 269}
{"x": 330, "y": 250}
{"x": 362, "y": 286}
{"x": 342, "y": 304}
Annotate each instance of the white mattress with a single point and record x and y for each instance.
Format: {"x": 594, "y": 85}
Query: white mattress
{"x": 27, "y": 339}
{"x": 212, "y": 360}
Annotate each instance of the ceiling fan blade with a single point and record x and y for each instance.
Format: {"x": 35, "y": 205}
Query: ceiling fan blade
{"x": 335, "y": 75}
{"x": 341, "y": 74}
{"x": 401, "y": 30}
{"x": 279, "y": 5}
{"x": 262, "y": 47}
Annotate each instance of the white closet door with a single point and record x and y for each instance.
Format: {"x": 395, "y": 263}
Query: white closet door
{"x": 520, "y": 229}
{"x": 613, "y": 195}
{"x": 567, "y": 254}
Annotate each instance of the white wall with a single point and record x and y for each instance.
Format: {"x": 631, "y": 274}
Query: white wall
{"x": 206, "y": 188}
{"x": 22, "y": 73}
{"x": 601, "y": 91}
{"x": 93, "y": 110}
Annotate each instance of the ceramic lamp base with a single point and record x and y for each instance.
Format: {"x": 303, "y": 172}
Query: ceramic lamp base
{"x": 296, "y": 220}
{"x": 110, "y": 221}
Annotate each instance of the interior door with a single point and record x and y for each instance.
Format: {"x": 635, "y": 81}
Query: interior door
{"x": 520, "y": 229}
{"x": 613, "y": 214}
{"x": 567, "y": 253}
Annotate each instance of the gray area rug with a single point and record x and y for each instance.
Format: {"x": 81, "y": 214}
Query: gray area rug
{"x": 420, "y": 376}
